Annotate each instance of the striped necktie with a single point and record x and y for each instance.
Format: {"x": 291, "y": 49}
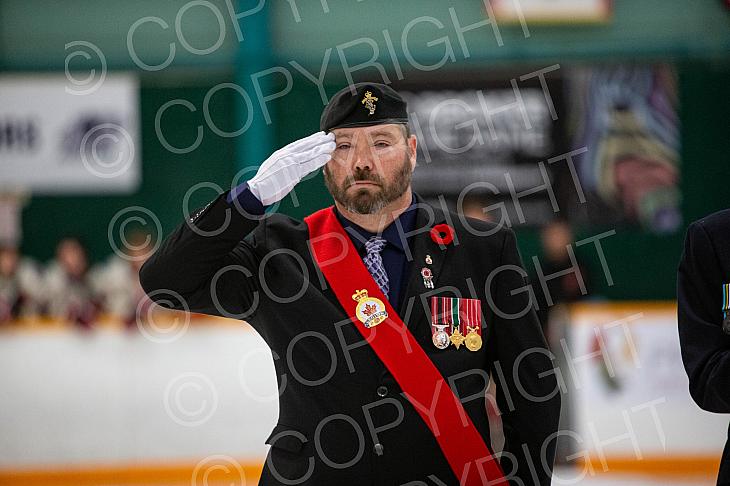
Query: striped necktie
{"x": 374, "y": 262}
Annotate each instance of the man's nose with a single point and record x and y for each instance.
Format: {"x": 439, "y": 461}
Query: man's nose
{"x": 363, "y": 158}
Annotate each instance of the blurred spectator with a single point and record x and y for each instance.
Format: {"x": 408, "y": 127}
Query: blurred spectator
{"x": 563, "y": 289}
{"x": 475, "y": 205}
{"x": 116, "y": 281}
{"x": 66, "y": 282}
{"x": 563, "y": 276}
{"x": 19, "y": 285}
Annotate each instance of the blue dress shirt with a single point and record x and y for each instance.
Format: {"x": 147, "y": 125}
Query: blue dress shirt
{"x": 394, "y": 255}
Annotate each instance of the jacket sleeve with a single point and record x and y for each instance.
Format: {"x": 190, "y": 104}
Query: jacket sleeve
{"x": 705, "y": 348}
{"x": 527, "y": 390}
{"x": 209, "y": 263}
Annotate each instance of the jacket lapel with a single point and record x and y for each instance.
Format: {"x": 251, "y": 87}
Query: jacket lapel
{"x": 411, "y": 307}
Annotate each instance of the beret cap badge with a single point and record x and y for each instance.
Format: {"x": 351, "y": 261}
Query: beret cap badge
{"x": 364, "y": 104}
{"x": 369, "y": 102}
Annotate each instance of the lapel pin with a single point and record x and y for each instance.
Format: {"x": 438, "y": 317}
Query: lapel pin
{"x": 442, "y": 234}
{"x": 428, "y": 260}
{"x": 427, "y": 277}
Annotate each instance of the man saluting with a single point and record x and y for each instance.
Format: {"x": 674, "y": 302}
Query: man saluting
{"x": 385, "y": 315}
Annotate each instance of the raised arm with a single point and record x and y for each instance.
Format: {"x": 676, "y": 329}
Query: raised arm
{"x": 209, "y": 263}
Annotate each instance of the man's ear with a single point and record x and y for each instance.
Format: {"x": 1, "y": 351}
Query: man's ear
{"x": 412, "y": 146}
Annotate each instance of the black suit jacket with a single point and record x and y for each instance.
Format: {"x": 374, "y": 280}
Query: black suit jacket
{"x": 342, "y": 417}
{"x": 704, "y": 268}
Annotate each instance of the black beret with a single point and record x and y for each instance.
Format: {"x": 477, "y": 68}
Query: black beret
{"x": 363, "y": 104}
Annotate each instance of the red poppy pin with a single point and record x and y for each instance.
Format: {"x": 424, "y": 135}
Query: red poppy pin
{"x": 443, "y": 234}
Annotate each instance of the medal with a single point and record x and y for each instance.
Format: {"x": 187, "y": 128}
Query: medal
{"x": 472, "y": 310}
{"x": 453, "y": 318}
{"x": 427, "y": 277}
{"x": 462, "y": 317}
{"x": 440, "y": 337}
{"x": 457, "y": 338}
{"x": 369, "y": 310}
{"x": 726, "y": 308}
{"x": 473, "y": 340}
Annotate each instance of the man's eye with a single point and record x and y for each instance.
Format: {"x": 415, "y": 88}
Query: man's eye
{"x": 382, "y": 143}
{"x": 343, "y": 146}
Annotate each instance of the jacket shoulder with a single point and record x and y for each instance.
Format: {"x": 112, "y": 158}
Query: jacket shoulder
{"x": 280, "y": 230}
{"x": 715, "y": 227}
{"x": 718, "y": 222}
{"x": 493, "y": 235}
{"x": 283, "y": 222}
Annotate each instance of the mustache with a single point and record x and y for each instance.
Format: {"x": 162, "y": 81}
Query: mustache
{"x": 349, "y": 180}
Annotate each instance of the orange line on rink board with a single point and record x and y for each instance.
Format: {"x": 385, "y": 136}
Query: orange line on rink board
{"x": 135, "y": 474}
{"x": 665, "y": 466}
{"x": 618, "y": 310}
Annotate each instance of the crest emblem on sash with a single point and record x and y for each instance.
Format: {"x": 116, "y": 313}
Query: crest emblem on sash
{"x": 369, "y": 310}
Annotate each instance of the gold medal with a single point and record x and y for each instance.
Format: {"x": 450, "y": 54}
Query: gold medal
{"x": 473, "y": 339}
{"x": 457, "y": 338}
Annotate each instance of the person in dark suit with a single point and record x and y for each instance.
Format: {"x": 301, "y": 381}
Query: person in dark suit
{"x": 703, "y": 299}
{"x": 344, "y": 416}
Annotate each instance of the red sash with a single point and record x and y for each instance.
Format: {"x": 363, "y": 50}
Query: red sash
{"x": 424, "y": 386}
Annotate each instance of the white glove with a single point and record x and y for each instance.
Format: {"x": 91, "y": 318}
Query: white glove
{"x": 287, "y": 166}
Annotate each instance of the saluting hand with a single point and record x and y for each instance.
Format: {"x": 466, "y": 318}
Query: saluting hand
{"x": 288, "y": 165}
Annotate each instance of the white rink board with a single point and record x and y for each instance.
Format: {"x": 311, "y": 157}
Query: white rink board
{"x": 70, "y": 398}
{"x": 633, "y": 399}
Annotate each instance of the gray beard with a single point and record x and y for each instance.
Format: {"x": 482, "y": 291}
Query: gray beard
{"x": 362, "y": 202}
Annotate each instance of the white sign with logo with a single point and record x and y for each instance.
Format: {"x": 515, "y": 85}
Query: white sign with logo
{"x": 54, "y": 140}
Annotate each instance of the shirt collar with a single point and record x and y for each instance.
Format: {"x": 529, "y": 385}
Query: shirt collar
{"x": 391, "y": 234}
